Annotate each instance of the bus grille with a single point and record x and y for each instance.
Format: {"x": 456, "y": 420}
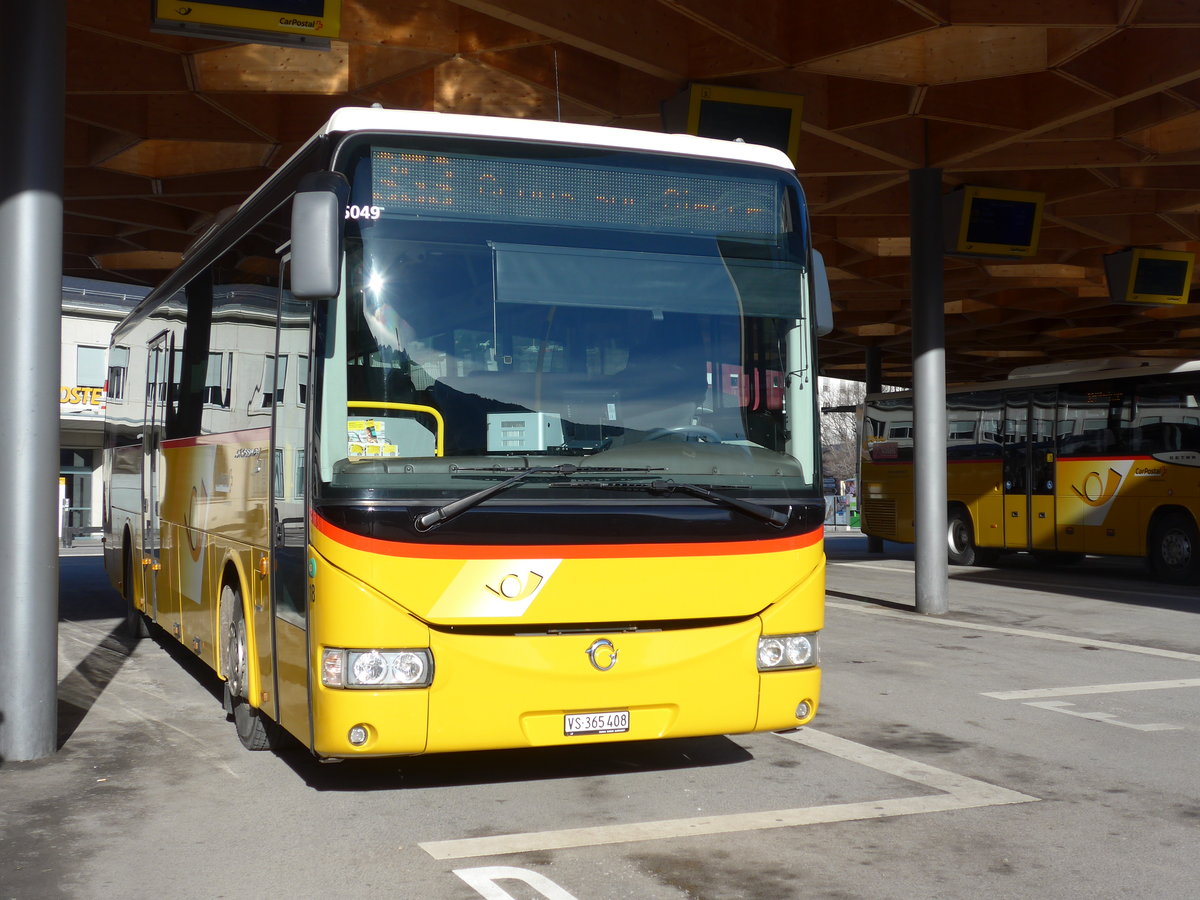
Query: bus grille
{"x": 879, "y": 517}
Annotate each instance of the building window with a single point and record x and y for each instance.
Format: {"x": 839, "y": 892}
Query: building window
{"x": 89, "y": 366}
{"x": 302, "y": 378}
{"x": 118, "y": 371}
{"x": 273, "y": 380}
{"x": 299, "y": 495}
{"x": 218, "y": 382}
{"x": 278, "y": 478}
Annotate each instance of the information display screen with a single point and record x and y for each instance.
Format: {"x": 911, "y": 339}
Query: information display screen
{"x": 564, "y": 192}
{"x": 1161, "y": 277}
{"x": 995, "y": 221}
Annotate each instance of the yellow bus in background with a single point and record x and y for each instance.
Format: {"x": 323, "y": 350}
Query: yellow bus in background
{"x": 466, "y": 433}
{"x": 1061, "y": 460}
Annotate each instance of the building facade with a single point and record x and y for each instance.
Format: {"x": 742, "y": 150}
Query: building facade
{"x": 90, "y": 376}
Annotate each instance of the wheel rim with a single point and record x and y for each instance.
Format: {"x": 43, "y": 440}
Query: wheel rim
{"x": 958, "y": 536}
{"x": 237, "y": 658}
{"x": 1175, "y": 549}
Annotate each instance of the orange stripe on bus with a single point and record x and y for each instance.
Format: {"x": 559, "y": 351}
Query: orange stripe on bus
{"x": 564, "y": 551}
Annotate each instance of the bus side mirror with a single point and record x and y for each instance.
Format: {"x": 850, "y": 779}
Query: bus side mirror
{"x": 822, "y": 301}
{"x": 318, "y": 224}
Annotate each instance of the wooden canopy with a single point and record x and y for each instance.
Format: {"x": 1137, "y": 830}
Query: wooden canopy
{"x": 1096, "y": 103}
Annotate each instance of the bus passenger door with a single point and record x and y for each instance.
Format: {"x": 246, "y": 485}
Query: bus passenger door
{"x": 158, "y": 382}
{"x": 1016, "y": 470}
{"x": 289, "y": 520}
{"x": 1029, "y": 470}
{"x": 1042, "y": 531}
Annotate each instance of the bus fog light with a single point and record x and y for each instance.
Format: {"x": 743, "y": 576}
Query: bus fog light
{"x": 803, "y": 709}
{"x": 358, "y": 735}
{"x": 787, "y": 651}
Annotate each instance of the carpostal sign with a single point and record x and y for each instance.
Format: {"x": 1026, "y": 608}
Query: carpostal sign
{"x": 314, "y": 18}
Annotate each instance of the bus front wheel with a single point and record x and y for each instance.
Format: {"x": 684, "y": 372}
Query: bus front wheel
{"x": 254, "y": 729}
{"x": 1174, "y": 548}
{"x": 136, "y": 624}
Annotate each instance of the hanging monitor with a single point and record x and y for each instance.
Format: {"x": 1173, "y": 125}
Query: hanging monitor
{"x": 291, "y": 23}
{"x": 730, "y": 114}
{"x": 984, "y": 221}
{"x": 1155, "y": 277}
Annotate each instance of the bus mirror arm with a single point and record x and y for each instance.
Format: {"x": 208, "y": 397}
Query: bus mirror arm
{"x": 318, "y": 226}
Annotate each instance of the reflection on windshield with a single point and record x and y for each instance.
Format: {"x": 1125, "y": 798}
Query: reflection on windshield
{"x": 449, "y": 352}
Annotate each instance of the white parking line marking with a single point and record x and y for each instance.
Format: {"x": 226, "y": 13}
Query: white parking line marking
{"x": 875, "y": 566}
{"x": 484, "y": 881}
{"x": 960, "y": 792}
{"x": 867, "y": 610}
{"x": 906, "y": 565}
{"x": 1127, "y": 687}
{"x": 1106, "y": 718}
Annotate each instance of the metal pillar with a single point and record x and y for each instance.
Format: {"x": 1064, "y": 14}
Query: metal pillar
{"x": 929, "y": 390}
{"x": 874, "y": 379}
{"x": 31, "y": 172}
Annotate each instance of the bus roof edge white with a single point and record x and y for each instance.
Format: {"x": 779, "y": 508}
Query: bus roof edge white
{"x": 541, "y": 131}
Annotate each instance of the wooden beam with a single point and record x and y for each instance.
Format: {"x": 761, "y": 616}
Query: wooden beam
{"x": 584, "y": 79}
{"x": 1054, "y": 155}
{"x": 643, "y": 36}
{"x": 142, "y": 213}
{"x": 478, "y": 33}
{"x": 761, "y": 28}
{"x": 1035, "y": 12}
{"x": 825, "y": 152}
{"x": 830, "y": 29}
{"x": 104, "y": 64}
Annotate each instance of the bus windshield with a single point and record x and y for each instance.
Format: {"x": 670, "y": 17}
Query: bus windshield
{"x": 509, "y": 325}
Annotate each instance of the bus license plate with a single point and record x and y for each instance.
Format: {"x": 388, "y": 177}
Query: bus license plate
{"x": 614, "y": 722}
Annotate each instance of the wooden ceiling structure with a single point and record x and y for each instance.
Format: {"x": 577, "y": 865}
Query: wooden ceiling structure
{"x": 1096, "y": 103}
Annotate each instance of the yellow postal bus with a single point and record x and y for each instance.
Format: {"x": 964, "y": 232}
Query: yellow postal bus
{"x": 469, "y": 433}
{"x": 1099, "y": 456}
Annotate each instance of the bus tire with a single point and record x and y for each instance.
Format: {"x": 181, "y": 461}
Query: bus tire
{"x": 1174, "y": 548}
{"x": 254, "y": 729}
{"x": 960, "y": 539}
{"x": 136, "y": 624}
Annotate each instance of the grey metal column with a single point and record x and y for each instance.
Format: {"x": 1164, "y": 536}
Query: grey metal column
{"x": 31, "y": 173}
{"x": 929, "y": 390}
{"x": 874, "y": 378}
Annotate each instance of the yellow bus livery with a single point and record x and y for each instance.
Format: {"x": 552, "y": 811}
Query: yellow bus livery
{"x": 467, "y": 433}
{"x": 1061, "y": 460}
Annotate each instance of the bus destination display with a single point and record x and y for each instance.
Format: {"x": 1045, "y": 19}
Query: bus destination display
{"x": 549, "y": 192}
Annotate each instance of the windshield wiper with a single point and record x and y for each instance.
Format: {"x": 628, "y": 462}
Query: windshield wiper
{"x": 669, "y": 486}
{"x": 461, "y": 505}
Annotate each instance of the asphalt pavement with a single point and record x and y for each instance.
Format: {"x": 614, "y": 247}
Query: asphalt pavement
{"x": 1040, "y": 740}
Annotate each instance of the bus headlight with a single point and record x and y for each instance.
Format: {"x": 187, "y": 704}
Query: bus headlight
{"x": 787, "y": 651}
{"x": 376, "y": 668}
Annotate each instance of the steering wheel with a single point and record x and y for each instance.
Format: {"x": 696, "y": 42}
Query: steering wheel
{"x": 685, "y": 432}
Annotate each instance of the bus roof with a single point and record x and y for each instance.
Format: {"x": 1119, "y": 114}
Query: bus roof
{"x": 406, "y": 121}
{"x": 352, "y": 119}
{"x": 1067, "y": 373}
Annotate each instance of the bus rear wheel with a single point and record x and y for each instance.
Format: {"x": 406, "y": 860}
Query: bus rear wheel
{"x": 1174, "y": 548}
{"x": 254, "y": 729}
{"x": 960, "y": 539}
